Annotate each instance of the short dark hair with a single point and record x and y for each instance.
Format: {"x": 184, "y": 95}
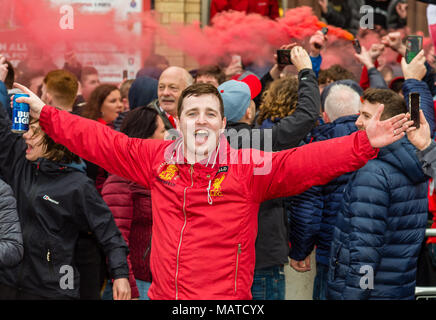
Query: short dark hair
{"x": 26, "y": 78}
{"x": 199, "y": 89}
{"x": 337, "y": 72}
{"x": 140, "y": 122}
{"x": 92, "y": 109}
{"x": 397, "y": 85}
{"x": 10, "y": 77}
{"x": 324, "y": 76}
{"x": 393, "y": 102}
{"x": 213, "y": 71}
{"x": 86, "y": 71}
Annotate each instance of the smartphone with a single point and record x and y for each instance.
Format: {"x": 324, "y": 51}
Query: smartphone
{"x": 125, "y": 75}
{"x": 357, "y": 47}
{"x": 413, "y": 47}
{"x": 284, "y": 57}
{"x": 414, "y": 103}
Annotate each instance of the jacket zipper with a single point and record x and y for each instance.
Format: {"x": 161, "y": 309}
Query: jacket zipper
{"x": 191, "y": 170}
{"x": 237, "y": 264}
{"x": 146, "y": 251}
{"x": 50, "y": 261}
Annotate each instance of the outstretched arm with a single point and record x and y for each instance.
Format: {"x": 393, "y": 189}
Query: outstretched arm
{"x": 115, "y": 152}
{"x": 294, "y": 171}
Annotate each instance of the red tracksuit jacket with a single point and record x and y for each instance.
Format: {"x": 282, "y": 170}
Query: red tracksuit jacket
{"x": 205, "y": 215}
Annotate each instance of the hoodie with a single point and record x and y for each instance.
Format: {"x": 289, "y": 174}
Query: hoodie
{"x": 142, "y": 92}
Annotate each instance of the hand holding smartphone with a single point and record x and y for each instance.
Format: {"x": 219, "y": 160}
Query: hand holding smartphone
{"x": 413, "y": 47}
{"x": 284, "y": 57}
{"x": 357, "y": 47}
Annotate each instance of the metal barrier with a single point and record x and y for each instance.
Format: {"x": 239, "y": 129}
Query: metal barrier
{"x": 430, "y": 232}
{"x": 426, "y": 293}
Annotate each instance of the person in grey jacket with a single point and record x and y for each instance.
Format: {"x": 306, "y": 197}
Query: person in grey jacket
{"x": 422, "y": 140}
{"x": 11, "y": 240}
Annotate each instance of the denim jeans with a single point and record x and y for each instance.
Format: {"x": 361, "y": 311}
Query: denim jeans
{"x": 142, "y": 286}
{"x": 269, "y": 284}
{"x": 320, "y": 283}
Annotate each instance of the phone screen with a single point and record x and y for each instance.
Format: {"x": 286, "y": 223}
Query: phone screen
{"x": 414, "y": 103}
{"x": 284, "y": 57}
{"x": 357, "y": 46}
{"x": 413, "y": 47}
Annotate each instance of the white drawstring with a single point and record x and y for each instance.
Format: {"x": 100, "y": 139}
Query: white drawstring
{"x": 209, "y": 198}
{"x": 431, "y": 187}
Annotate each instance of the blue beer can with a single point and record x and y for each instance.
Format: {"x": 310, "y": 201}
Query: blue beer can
{"x": 20, "y": 115}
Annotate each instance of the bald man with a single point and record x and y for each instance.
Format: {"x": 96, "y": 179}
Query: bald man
{"x": 172, "y": 82}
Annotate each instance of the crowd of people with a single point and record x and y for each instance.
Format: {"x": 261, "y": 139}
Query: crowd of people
{"x": 208, "y": 183}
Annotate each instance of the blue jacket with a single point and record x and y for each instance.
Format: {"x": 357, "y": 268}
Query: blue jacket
{"x": 312, "y": 214}
{"x": 380, "y": 228}
{"x": 304, "y": 236}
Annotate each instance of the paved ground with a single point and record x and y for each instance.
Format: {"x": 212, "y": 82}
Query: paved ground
{"x": 299, "y": 286}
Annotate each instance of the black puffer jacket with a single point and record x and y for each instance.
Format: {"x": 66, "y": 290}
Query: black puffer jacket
{"x": 55, "y": 203}
{"x": 11, "y": 241}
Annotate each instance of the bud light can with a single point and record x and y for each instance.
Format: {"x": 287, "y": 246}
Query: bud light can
{"x": 20, "y": 115}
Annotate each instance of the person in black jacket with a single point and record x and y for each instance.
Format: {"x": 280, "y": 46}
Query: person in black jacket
{"x": 56, "y": 201}
{"x": 11, "y": 240}
{"x": 272, "y": 240}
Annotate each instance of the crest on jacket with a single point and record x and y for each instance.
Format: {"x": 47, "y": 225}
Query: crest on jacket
{"x": 216, "y": 187}
{"x": 169, "y": 172}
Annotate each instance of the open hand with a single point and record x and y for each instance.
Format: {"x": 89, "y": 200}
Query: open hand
{"x": 383, "y": 133}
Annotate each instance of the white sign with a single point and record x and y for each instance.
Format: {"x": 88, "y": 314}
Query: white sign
{"x": 111, "y": 62}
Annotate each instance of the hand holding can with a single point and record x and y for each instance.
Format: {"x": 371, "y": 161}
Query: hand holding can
{"x": 31, "y": 99}
{"x": 20, "y": 114}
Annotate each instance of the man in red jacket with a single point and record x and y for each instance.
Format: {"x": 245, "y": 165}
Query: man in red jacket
{"x": 205, "y": 194}
{"x": 267, "y": 8}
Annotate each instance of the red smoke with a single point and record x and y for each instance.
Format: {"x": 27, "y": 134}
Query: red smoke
{"x": 252, "y": 36}
{"x": 38, "y": 25}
